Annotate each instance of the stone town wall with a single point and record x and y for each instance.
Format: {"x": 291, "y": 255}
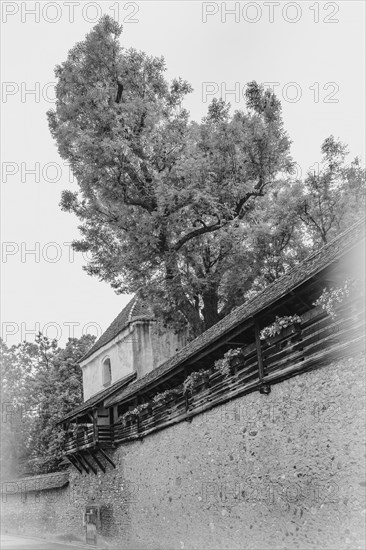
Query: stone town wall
{"x": 285, "y": 470}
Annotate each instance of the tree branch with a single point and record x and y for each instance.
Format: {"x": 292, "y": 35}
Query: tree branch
{"x": 199, "y": 231}
{"x": 258, "y": 192}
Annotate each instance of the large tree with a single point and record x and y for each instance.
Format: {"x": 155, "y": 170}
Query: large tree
{"x": 163, "y": 201}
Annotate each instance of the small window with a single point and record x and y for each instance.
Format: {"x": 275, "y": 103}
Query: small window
{"x": 107, "y": 372}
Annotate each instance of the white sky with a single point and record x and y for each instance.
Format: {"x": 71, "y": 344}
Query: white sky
{"x": 321, "y": 64}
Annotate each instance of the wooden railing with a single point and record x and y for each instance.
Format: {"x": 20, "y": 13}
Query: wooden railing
{"x": 319, "y": 341}
{"x": 86, "y": 437}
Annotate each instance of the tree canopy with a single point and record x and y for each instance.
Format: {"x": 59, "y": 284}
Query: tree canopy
{"x": 195, "y": 216}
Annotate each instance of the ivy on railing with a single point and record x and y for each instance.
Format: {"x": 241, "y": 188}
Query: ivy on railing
{"x": 279, "y": 324}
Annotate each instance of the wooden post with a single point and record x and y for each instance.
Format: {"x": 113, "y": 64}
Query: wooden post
{"x": 265, "y": 388}
{"x": 137, "y": 402}
{"x": 74, "y": 463}
{"x": 186, "y": 402}
{"x": 106, "y": 457}
{"x": 89, "y": 465}
{"x": 78, "y": 456}
{"x": 259, "y": 350}
{"x": 112, "y": 419}
{"x": 95, "y": 425}
{"x": 94, "y": 456}
{"x": 77, "y": 434}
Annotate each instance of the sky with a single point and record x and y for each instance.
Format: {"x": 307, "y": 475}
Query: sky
{"x": 310, "y": 53}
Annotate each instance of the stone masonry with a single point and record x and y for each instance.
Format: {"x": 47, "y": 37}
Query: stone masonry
{"x": 278, "y": 471}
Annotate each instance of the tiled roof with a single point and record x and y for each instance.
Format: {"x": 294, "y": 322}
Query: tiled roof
{"x": 35, "y": 483}
{"x": 309, "y": 267}
{"x": 99, "y": 397}
{"x": 135, "y": 310}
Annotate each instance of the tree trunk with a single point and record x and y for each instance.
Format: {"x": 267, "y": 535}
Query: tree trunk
{"x": 175, "y": 288}
{"x": 210, "y": 307}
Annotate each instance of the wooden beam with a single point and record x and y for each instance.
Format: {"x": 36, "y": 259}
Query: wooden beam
{"x": 236, "y": 343}
{"x": 301, "y": 299}
{"x": 93, "y": 455}
{"x": 90, "y": 465}
{"x": 264, "y": 388}
{"x": 83, "y": 463}
{"x": 137, "y": 402}
{"x": 95, "y": 424}
{"x": 74, "y": 463}
{"x": 224, "y": 339}
{"x": 259, "y": 351}
{"x": 78, "y": 458}
{"x": 113, "y": 414}
{"x": 186, "y": 402}
{"x": 106, "y": 457}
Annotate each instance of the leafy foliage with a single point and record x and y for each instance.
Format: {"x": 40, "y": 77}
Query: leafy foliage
{"x": 224, "y": 365}
{"x": 41, "y": 382}
{"x": 330, "y": 298}
{"x": 134, "y": 413}
{"x": 18, "y": 398}
{"x": 279, "y": 324}
{"x": 192, "y": 379}
{"x": 165, "y": 396}
{"x": 333, "y": 197}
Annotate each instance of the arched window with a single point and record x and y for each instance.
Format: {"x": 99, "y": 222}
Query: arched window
{"x": 107, "y": 372}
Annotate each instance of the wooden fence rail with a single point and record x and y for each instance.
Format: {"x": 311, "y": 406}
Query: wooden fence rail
{"x": 85, "y": 438}
{"x": 320, "y": 340}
